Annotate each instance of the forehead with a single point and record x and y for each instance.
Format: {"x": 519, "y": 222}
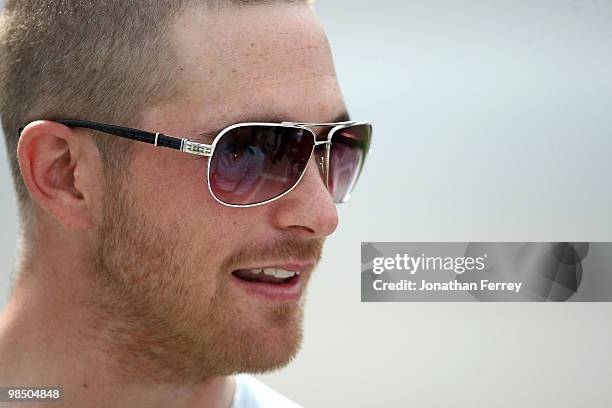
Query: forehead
{"x": 255, "y": 61}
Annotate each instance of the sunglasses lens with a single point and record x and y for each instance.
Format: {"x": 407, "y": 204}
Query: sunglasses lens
{"x": 255, "y": 163}
{"x": 347, "y": 155}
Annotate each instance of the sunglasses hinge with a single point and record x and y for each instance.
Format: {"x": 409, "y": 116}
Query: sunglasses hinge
{"x": 199, "y": 149}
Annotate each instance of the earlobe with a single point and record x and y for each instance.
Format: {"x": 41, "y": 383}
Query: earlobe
{"x": 49, "y": 154}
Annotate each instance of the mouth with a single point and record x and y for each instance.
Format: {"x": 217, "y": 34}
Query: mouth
{"x": 278, "y": 282}
{"x": 266, "y": 275}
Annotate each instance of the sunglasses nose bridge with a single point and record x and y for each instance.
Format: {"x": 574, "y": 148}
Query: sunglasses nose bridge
{"x": 320, "y": 157}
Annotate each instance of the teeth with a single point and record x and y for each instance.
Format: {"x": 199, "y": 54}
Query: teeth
{"x": 279, "y": 273}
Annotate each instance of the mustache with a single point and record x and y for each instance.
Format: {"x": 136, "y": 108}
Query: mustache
{"x": 286, "y": 250}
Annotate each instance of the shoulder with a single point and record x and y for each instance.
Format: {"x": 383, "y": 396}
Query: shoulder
{"x": 252, "y": 393}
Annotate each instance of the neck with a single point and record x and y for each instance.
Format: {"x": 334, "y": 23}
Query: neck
{"x": 51, "y": 335}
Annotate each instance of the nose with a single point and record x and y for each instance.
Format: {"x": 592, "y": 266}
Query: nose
{"x": 308, "y": 209}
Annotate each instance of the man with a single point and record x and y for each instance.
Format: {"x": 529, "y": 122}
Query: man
{"x": 145, "y": 277}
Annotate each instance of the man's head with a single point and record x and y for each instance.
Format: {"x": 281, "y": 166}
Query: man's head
{"x": 159, "y": 249}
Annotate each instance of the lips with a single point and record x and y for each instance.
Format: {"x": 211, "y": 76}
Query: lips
{"x": 267, "y": 275}
{"x": 275, "y": 282}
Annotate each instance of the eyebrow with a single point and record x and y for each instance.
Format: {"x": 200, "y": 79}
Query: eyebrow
{"x": 275, "y": 118}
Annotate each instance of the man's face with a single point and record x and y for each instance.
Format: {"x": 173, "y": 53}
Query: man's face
{"x": 167, "y": 249}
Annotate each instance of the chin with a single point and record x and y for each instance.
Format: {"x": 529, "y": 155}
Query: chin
{"x": 273, "y": 345}
{"x": 271, "y": 356}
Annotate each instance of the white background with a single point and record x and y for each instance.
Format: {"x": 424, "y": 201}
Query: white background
{"x": 493, "y": 122}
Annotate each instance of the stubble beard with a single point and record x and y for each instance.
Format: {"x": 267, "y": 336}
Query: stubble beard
{"x": 152, "y": 319}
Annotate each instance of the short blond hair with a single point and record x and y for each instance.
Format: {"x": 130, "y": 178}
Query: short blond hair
{"x": 97, "y": 60}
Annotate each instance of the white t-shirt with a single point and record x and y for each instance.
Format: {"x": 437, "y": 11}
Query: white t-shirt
{"x": 252, "y": 393}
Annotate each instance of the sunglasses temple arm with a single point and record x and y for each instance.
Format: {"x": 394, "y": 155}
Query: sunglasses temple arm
{"x": 156, "y": 139}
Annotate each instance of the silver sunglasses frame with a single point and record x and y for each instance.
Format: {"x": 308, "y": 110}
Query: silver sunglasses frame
{"x": 189, "y": 146}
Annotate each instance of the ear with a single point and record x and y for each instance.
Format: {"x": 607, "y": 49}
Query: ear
{"x": 59, "y": 167}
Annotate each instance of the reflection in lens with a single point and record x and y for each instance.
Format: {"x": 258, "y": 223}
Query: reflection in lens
{"x": 240, "y": 169}
{"x": 254, "y": 163}
{"x": 347, "y": 156}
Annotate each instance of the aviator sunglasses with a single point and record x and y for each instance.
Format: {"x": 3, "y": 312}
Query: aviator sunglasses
{"x": 255, "y": 163}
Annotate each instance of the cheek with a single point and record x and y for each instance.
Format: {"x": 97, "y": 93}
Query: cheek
{"x": 170, "y": 184}
{"x": 172, "y": 192}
